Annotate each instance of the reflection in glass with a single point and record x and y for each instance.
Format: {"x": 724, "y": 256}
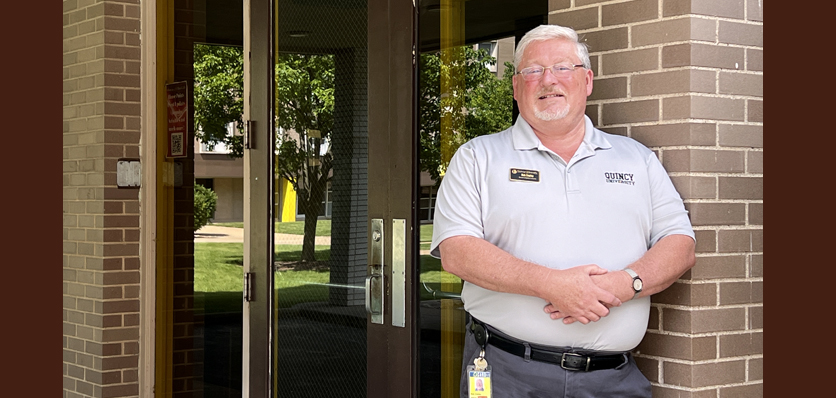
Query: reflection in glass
{"x": 465, "y": 91}
{"x": 320, "y": 116}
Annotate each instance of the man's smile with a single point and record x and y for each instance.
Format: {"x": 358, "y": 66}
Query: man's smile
{"x": 551, "y": 95}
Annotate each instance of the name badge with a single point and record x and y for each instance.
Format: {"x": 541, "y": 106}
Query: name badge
{"x": 525, "y": 175}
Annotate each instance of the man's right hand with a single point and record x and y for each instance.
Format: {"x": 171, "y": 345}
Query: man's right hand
{"x": 572, "y": 295}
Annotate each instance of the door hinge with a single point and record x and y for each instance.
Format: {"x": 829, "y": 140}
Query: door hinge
{"x": 248, "y": 286}
{"x": 249, "y": 125}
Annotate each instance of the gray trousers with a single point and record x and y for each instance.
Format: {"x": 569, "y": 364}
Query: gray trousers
{"x": 514, "y": 377}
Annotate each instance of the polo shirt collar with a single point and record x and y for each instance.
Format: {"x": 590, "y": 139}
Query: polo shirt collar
{"x": 524, "y": 137}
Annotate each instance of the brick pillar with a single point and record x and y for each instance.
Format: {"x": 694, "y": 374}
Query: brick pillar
{"x": 187, "y": 347}
{"x": 686, "y": 78}
{"x": 101, "y": 124}
{"x": 349, "y": 221}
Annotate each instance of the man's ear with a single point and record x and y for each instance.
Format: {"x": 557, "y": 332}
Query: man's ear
{"x": 514, "y": 85}
{"x": 589, "y": 82}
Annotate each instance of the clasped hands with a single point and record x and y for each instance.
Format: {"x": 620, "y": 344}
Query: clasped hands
{"x": 584, "y": 293}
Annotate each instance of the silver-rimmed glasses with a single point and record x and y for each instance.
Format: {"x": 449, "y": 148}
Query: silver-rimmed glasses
{"x": 559, "y": 70}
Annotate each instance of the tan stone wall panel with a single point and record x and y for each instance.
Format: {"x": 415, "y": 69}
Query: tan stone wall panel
{"x": 745, "y": 34}
{"x": 631, "y": 112}
{"x": 673, "y": 30}
{"x": 754, "y": 111}
{"x": 673, "y": 82}
{"x": 581, "y": 19}
{"x": 740, "y": 135}
{"x": 676, "y": 134}
{"x": 704, "y": 55}
{"x": 704, "y": 320}
{"x": 741, "y": 188}
{"x": 746, "y": 84}
{"x": 703, "y": 107}
{"x": 609, "y": 88}
{"x": 605, "y": 40}
{"x": 679, "y": 347}
{"x": 754, "y": 10}
{"x": 688, "y": 294}
{"x": 714, "y": 8}
{"x": 629, "y": 61}
{"x": 629, "y": 12}
{"x": 718, "y": 267}
{"x": 703, "y": 375}
{"x": 692, "y": 187}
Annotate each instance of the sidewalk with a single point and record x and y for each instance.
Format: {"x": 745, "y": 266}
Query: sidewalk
{"x": 213, "y": 233}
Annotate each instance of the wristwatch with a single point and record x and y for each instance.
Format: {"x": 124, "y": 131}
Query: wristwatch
{"x": 637, "y": 282}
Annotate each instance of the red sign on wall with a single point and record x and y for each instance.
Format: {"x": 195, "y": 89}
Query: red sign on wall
{"x": 178, "y": 118}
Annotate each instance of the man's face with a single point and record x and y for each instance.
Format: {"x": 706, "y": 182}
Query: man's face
{"x": 552, "y": 97}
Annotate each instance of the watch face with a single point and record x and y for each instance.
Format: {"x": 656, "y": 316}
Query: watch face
{"x": 637, "y": 285}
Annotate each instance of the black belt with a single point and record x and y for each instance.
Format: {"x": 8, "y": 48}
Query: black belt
{"x": 567, "y": 360}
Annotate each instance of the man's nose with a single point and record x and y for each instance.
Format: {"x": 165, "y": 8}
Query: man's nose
{"x": 548, "y": 76}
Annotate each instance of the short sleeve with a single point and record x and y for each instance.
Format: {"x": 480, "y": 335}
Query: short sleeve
{"x": 458, "y": 208}
{"x": 669, "y": 214}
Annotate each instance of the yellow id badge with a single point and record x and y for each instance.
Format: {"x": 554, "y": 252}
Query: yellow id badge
{"x": 479, "y": 382}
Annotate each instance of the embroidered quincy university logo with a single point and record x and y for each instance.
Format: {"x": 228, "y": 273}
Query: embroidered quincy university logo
{"x": 620, "y": 178}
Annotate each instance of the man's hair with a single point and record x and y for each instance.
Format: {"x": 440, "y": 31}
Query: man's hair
{"x": 548, "y": 32}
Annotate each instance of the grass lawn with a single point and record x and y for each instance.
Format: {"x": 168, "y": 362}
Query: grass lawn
{"x": 218, "y": 277}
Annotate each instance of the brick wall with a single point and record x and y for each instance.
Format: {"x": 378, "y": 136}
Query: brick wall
{"x": 187, "y": 356}
{"x": 101, "y": 118}
{"x": 686, "y": 78}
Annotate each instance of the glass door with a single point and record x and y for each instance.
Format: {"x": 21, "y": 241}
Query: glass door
{"x": 465, "y": 65}
{"x": 330, "y": 181}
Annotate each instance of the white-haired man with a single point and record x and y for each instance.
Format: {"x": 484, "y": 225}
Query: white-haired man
{"x": 561, "y": 233}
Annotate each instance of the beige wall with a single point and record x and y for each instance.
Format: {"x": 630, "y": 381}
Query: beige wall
{"x": 686, "y": 78}
{"x": 230, "y": 193}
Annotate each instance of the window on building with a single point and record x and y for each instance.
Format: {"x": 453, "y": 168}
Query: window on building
{"x": 325, "y": 210}
{"x": 206, "y": 182}
{"x": 427, "y": 204}
{"x": 219, "y": 148}
{"x": 490, "y": 47}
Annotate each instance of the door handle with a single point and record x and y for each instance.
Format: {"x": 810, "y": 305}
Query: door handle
{"x": 375, "y": 280}
{"x": 373, "y": 306}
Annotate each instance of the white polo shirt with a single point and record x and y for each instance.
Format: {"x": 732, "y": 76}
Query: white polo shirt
{"x": 607, "y": 206}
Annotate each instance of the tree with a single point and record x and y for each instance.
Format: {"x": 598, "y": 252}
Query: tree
{"x": 475, "y": 103}
{"x": 304, "y": 112}
{"x": 305, "y": 116}
{"x": 218, "y": 95}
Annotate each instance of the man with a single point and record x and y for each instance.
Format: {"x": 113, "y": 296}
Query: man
{"x": 561, "y": 233}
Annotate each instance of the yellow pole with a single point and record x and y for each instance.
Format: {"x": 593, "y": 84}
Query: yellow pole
{"x": 165, "y": 206}
{"x": 452, "y": 99}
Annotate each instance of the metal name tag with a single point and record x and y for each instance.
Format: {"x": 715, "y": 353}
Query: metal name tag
{"x": 525, "y": 175}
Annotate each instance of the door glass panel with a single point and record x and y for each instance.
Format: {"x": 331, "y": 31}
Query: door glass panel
{"x": 214, "y": 343}
{"x": 465, "y": 68}
{"x": 320, "y": 216}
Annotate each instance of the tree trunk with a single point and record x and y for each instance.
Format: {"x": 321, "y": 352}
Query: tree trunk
{"x": 309, "y": 241}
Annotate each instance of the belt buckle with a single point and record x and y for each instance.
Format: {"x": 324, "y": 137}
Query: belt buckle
{"x": 579, "y": 363}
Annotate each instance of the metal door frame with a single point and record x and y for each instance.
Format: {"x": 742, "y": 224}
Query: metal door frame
{"x": 392, "y": 351}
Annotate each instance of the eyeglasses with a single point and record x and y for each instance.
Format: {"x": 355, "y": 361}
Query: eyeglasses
{"x": 536, "y": 72}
